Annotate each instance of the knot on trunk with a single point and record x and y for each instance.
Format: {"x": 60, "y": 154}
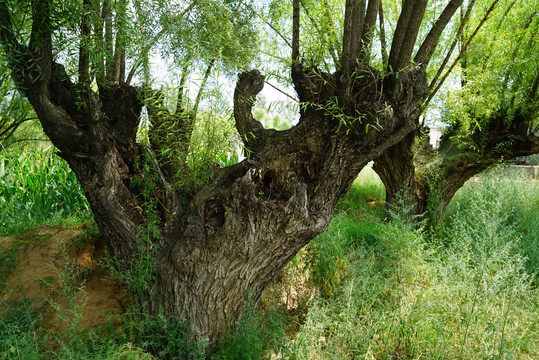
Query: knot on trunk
{"x": 250, "y": 83}
{"x": 407, "y": 86}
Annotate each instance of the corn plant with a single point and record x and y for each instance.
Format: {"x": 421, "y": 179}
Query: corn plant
{"x": 37, "y": 187}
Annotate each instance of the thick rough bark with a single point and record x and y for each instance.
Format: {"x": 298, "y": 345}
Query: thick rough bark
{"x": 241, "y": 229}
{"x": 397, "y": 171}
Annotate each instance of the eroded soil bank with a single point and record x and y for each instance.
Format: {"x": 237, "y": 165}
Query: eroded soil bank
{"x": 59, "y": 272}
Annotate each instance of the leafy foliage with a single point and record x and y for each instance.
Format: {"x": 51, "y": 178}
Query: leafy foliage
{"x": 499, "y": 72}
{"x": 15, "y": 112}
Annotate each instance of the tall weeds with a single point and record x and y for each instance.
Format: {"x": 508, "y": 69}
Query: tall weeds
{"x": 37, "y": 187}
{"x": 466, "y": 292}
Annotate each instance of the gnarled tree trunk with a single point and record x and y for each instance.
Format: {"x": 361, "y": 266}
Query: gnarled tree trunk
{"x": 239, "y": 231}
{"x": 212, "y": 249}
{"x": 244, "y": 227}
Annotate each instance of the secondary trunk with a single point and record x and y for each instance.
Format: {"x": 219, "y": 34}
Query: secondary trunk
{"x": 422, "y": 181}
{"x": 397, "y": 171}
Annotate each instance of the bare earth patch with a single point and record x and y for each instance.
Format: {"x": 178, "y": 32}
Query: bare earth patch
{"x": 53, "y": 267}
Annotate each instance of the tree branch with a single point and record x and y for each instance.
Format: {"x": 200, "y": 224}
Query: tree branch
{"x": 295, "y": 33}
{"x": 118, "y": 65}
{"x": 210, "y": 67}
{"x": 358, "y": 22}
{"x": 98, "y": 31}
{"x": 203, "y": 85}
{"x": 429, "y": 44}
{"x": 281, "y": 91}
{"x": 302, "y": 83}
{"x": 453, "y": 45}
{"x": 248, "y": 86}
{"x": 287, "y": 42}
{"x": 31, "y": 66}
{"x": 84, "y": 55}
{"x": 461, "y": 54}
{"x": 321, "y": 34}
{"x": 333, "y": 34}
{"x": 9, "y": 130}
{"x": 383, "y": 42}
{"x": 347, "y": 37}
{"x": 400, "y": 33}
{"x": 33, "y": 73}
{"x": 368, "y": 30}
{"x": 183, "y": 80}
{"x": 41, "y": 39}
{"x": 408, "y": 42}
{"x": 18, "y": 56}
{"x": 109, "y": 52}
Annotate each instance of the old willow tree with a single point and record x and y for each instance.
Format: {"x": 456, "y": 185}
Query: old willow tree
{"x": 492, "y": 114}
{"x": 214, "y": 247}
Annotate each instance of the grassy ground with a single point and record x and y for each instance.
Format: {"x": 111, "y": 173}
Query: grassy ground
{"x": 365, "y": 289}
{"x": 466, "y": 290}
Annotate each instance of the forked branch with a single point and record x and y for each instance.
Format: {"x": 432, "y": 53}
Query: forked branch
{"x": 407, "y": 45}
{"x": 400, "y": 33}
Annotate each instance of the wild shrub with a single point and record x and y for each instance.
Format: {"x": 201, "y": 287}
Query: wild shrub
{"x": 19, "y": 335}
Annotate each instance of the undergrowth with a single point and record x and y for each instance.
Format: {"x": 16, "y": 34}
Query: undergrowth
{"x": 370, "y": 289}
{"x": 467, "y": 291}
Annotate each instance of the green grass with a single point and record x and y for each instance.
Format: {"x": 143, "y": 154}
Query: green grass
{"x": 36, "y": 188}
{"x": 382, "y": 290}
{"x": 466, "y": 292}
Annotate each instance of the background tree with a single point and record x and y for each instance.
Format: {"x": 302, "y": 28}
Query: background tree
{"x": 492, "y": 116}
{"x": 204, "y": 251}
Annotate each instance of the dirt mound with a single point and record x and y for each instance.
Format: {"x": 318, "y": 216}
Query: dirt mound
{"x": 58, "y": 270}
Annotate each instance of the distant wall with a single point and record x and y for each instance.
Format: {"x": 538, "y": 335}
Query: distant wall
{"x": 527, "y": 170}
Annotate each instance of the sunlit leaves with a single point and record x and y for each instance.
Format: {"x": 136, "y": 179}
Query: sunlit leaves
{"x": 209, "y": 30}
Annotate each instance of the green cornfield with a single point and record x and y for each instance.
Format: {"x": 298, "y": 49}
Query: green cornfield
{"x": 37, "y": 187}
